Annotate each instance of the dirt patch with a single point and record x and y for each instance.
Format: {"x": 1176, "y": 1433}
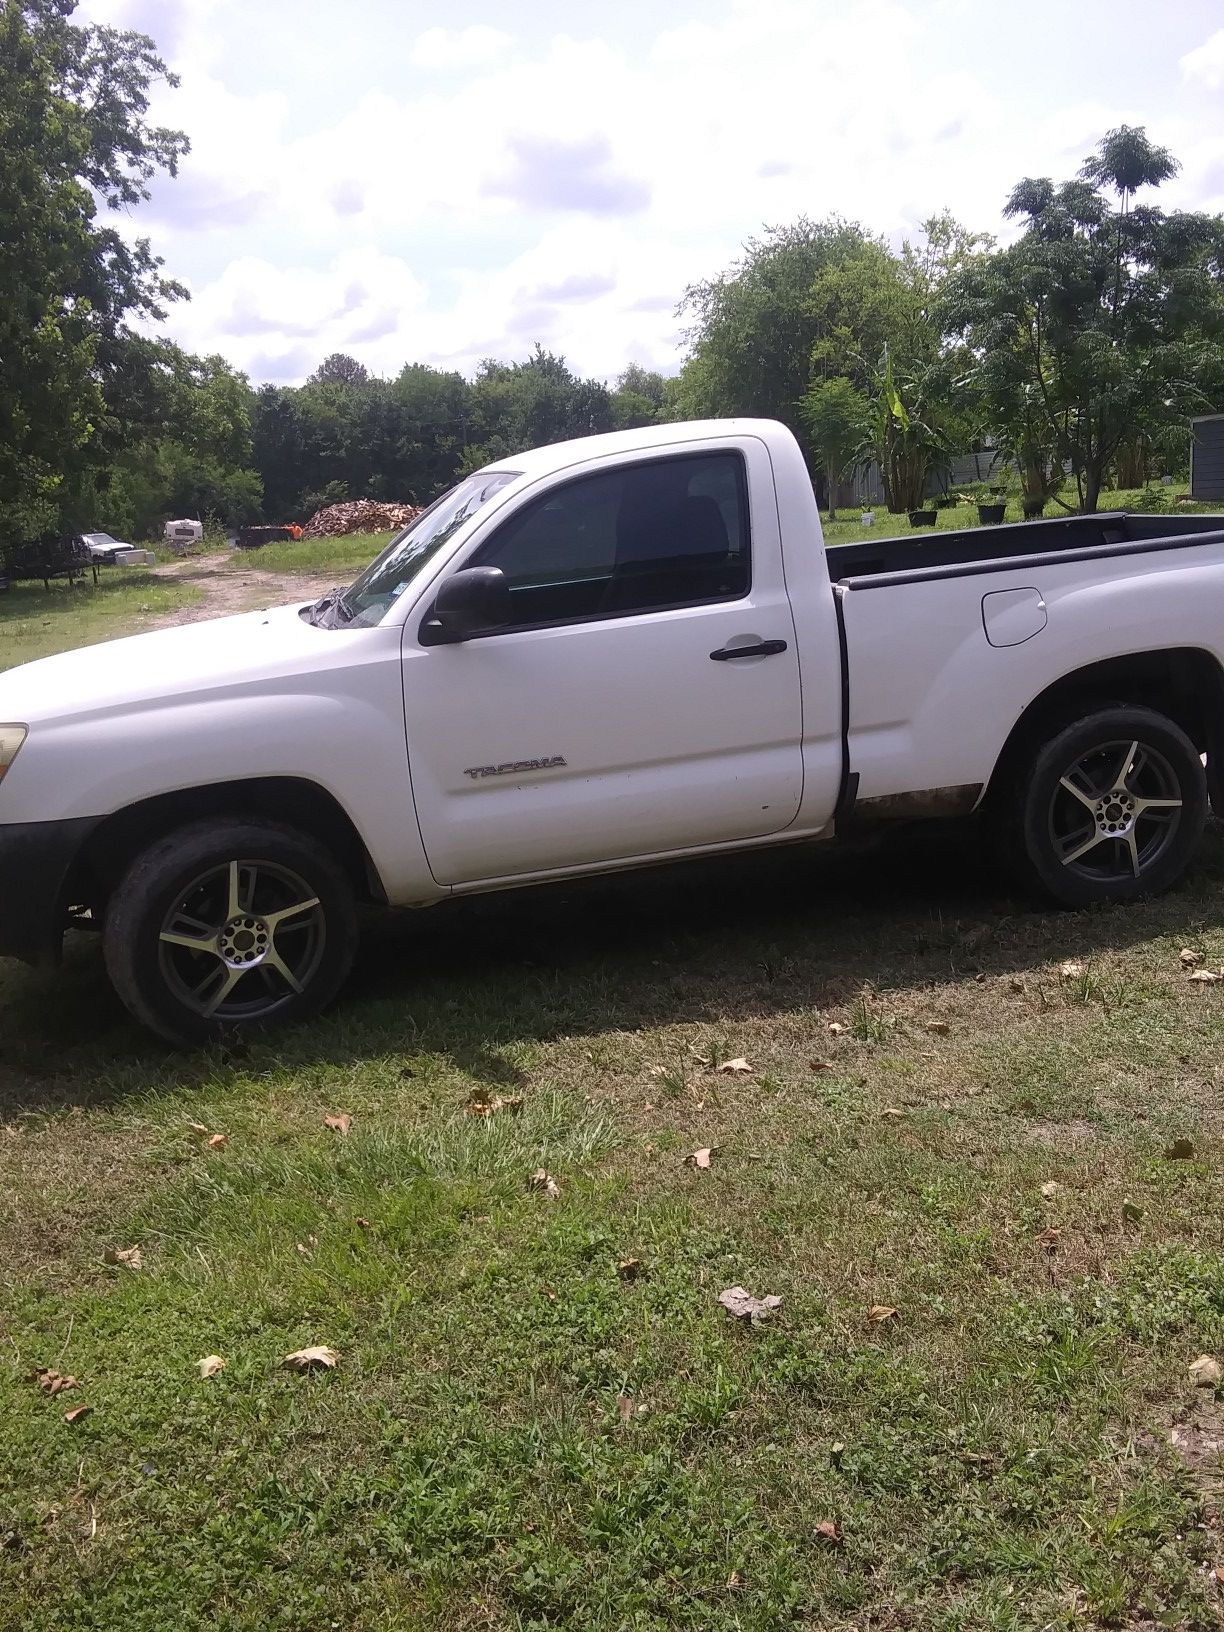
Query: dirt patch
{"x": 227, "y": 586}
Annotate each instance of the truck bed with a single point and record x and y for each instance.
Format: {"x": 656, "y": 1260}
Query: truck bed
{"x": 997, "y": 548}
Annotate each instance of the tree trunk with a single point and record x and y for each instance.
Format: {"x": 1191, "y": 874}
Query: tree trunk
{"x": 1133, "y": 463}
{"x": 1092, "y": 489}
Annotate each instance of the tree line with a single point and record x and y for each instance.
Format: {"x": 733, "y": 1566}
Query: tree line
{"x": 1081, "y": 346}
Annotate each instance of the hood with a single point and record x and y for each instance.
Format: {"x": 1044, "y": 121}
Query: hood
{"x": 216, "y": 655}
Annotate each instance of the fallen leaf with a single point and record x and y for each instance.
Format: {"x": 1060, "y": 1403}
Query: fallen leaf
{"x": 197, "y": 1127}
{"x": 129, "y": 1257}
{"x": 1206, "y": 977}
{"x": 891, "y": 1110}
{"x": 210, "y": 1365}
{"x": 77, "y": 1412}
{"x": 820, "y": 1065}
{"x": 741, "y": 1305}
{"x": 218, "y": 1141}
{"x": 735, "y": 1581}
{"x": 941, "y": 1028}
{"x": 1181, "y": 1150}
{"x": 363, "y": 1223}
{"x": 1205, "y": 1372}
{"x": 1189, "y": 958}
{"x": 880, "y": 1312}
{"x": 738, "y": 1065}
{"x": 341, "y": 1122}
{"x": 701, "y": 1158}
{"x": 624, "y": 1407}
{"x": 484, "y": 1104}
{"x": 1071, "y": 970}
{"x": 1048, "y": 1239}
{"x": 318, "y": 1357}
{"x": 658, "y": 1071}
{"x": 629, "y": 1269}
{"x": 1050, "y": 1189}
{"x": 836, "y": 1029}
{"x": 542, "y": 1180}
{"x": 829, "y": 1530}
{"x": 51, "y": 1382}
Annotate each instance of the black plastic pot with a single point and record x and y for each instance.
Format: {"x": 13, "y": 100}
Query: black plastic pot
{"x": 1034, "y": 508}
{"x": 990, "y": 515}
{"x": 923, "y": 518}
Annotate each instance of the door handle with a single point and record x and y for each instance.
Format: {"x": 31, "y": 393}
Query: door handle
{"x": 763, "y": 648}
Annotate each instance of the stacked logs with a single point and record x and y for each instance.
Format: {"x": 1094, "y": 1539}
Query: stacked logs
{"x": 359, "y": 516}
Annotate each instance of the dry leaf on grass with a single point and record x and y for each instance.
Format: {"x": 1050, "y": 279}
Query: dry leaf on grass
{"x": 128, "y": 1257}
{"x": 1071, "y": 970}
{"x": 836, "y": 1029}
{"x": 339, "y": 1122}
{"x": 880, "y": 1312}
{"x": 482, "y": 1103}
{"x": 218, "y": 1141}
{"x": 363, "y": 1224}
{"x": 737, "y": 1066}
{"x": 307, "y": 1247}
{"x": 891, "y": 1110}
{"x": 701, "y": 1158}
{"x": 210, "y": 1365}
{"x": 741, "y": 1305}
{"x": 820, "y": 1065}
{"x": 542, "y": 1180}
{"x": 1050, "y": 1189}
{"x": 196, "y": 1127}
{"x": 77, "y": 1412}
{"x": 1048, "y": 1239}
{"x": 1205, "y": 1372}
{"x": 1206, "y": 977}
{"x": 1181, "y": 1150}
{"x": 624, "y": 1407}
{"x": 940, "y": 1028}
{"x": 829, "y": 1530}
{"x": 735, "y": 1581}
{"x": 52, "y": 1382}
{"x": 1189, "y": 958}
{"x": 316, "y": 1358}
{"x": 629, "y": 1269}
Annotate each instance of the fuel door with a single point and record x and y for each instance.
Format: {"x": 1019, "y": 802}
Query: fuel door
{"x": 1012, "y": 616}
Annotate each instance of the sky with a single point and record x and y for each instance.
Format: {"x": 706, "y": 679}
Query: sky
{"x": 418, "y": 181}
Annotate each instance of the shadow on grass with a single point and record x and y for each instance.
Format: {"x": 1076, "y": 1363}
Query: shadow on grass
{"x": 28, "y": 599}
{"x": 715, "y": 942}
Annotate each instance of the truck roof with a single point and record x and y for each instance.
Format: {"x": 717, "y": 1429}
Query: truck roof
{"x": 544, "y": 461}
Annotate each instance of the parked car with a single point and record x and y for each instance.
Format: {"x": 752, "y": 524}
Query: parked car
{"x": 594, "y": 656}
{"x": 103, "y": 548}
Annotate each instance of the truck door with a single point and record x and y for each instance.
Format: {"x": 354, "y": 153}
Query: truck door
{"x": 643, "y": 697}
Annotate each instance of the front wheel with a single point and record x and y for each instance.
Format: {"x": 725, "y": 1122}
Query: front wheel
{"x": 1110, "y": 808}
{"x": 228, "y": 925}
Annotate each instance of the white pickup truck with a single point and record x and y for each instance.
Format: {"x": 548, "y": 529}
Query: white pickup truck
{"x": 598, "y": 655}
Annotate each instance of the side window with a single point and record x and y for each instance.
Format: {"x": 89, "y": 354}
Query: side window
{"x": 671, "y": 532}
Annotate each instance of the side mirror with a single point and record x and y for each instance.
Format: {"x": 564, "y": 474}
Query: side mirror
{"x": 467, "y": 603}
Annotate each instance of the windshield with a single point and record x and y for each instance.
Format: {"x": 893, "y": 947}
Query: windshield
{"x": 99, "y": 538}
{"x": 368, "y": 598}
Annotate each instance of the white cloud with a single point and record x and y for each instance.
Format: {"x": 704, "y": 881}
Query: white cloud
{"x": 1205, "y": 64}
{"x": 447, "y": 48}
{"x": 494, "y": 186}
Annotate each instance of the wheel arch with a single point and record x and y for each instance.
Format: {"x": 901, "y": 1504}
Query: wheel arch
{"x": 296, "y": 801}
{"x": 1184, "y": 683}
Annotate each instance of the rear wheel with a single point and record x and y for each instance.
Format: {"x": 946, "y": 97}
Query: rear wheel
{"x": 1109, "y": 809}
{"x": 229, "y": 925}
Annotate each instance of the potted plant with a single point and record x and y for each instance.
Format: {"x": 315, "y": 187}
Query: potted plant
{"x": 867, "y": 514}
{"x": 923, "y": 518}
{"x": 992, "y": 510}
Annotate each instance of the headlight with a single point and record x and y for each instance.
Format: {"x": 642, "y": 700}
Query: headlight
{"x": 11, "y": 739}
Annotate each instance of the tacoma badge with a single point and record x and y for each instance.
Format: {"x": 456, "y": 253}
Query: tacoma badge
{"x": 509, "y": 766}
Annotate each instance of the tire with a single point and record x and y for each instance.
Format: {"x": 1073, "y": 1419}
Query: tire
{"x": 191, "y": 968}
{"x": 1110, "y": 807}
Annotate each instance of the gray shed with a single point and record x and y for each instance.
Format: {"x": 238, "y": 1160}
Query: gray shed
{"x": 1207, "y": 457}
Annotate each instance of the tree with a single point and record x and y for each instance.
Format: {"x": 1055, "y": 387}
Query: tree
{"x": 526, "y": 405}
{"x": 340, "y": 369}
{"x": 638, "y": 398}
{"x": 1103, "y": 323}
{"x": 73, "y": 136}
{"x": 835, "y": 413}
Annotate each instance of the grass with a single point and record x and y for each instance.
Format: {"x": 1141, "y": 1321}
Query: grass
{"x": 346, "y": 557}
{"x": 848, "y": 529}
{"x": 958, "y": 1107}
{"x": 36, "y": 622}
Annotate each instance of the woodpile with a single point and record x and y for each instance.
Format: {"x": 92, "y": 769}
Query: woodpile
{"x": 359, "y": 516}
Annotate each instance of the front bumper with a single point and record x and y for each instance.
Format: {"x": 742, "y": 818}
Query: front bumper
{"x": 35, "y": 862}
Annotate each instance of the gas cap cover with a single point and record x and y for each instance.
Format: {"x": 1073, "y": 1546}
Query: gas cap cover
{"x": 1012, "y": 616}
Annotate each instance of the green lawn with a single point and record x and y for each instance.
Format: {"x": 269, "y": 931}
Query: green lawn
{"x": 343, "y": 556}
{"x": 35, "y": 622}
{"x": 956, "y": 1107}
